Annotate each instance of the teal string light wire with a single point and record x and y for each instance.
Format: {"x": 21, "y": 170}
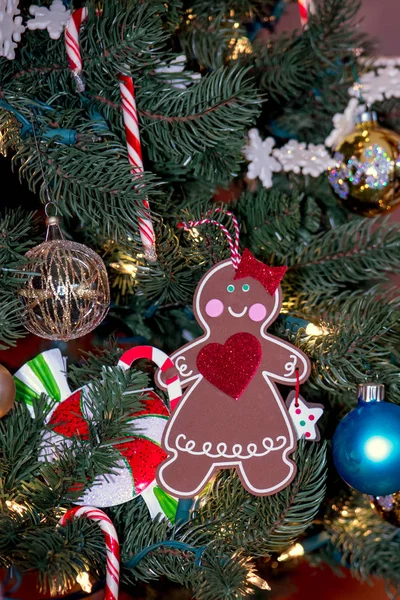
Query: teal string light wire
{"x": 183, "y": 510}
{"x": 198, "y": 552}
{"x": 67, "y": 137}
{"x": 182, "y": 516}
{"x": 309, "y": 545}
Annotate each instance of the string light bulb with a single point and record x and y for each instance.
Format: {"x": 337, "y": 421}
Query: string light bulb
{"x": 84, "y": 581}
{"x": 316, "y": 330}
{"x": 195, "y": 234}
{"x": 15, "y": 507}
{"x": 294, "y": 552}
{"x": 126, "y": 268}
{"x": 257, "y": 581}
{"x": 124, "y": 274}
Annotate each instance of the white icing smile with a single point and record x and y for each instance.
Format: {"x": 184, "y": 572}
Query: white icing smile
{"x": 238, "y": 315}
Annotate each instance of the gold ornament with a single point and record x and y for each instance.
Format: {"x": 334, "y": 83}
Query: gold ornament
{"x": 387, "y": 507}
{"x": 7, "y": 391}
{"x": 367, "y": 173}
{"x": 69, "y": 295}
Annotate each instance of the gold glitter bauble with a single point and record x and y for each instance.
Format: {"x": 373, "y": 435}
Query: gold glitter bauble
{"x": 367, "y": 173}
{"x": 67, "y": 295}
{"x": 387, "y": 507}
{"x": 7, "y": 391}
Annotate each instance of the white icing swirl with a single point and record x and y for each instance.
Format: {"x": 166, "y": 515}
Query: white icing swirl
{"x": 237, "y": 451}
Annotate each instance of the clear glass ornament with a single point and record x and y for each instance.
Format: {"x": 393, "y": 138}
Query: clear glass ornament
{"x": 68, "y": 296}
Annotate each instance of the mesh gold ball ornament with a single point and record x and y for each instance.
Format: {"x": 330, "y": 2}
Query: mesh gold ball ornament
{"x": 387, "y": 507}
{"x": 66, "y": 294}
{"x": 367, "y": 172}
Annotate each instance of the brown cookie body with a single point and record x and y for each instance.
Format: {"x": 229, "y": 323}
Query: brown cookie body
{"x": 232, "y": 414}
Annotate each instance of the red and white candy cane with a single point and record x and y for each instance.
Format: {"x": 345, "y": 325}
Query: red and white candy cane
{"x": 130, "y": 115}
{"x": 111, "y": 540}
{"x": 73, "y": 47}
{"x": 233, "y": 244}
{"x": 129, "y": 112}
{"x": 162, "y": 361}
{"x": 306, "y": 7}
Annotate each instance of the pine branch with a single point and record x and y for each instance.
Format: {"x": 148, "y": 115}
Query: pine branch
{"x": 111, "y": 402}
{"x": 170, "y": 280}
{"x": 132, "y": 40}
{"x": 276, "y": 223}
{"x": 221, "y": 9}
{"x": 352, "y": 253}
{"x": 20, "y": 437}
{"x": 360, "y": 332}
{"x": 261, "y": 525}
{"x": 112, "y": 204}
{"x": 224, "y": 579}
{"x": 92, "y": 364}
{"x": 367, "y": 544}
{"x": 17, "y": 236}
{"x": 11, "y": 327}
{"x": 285, "y": 67}
{"x": 338, "y": 21}
{"x": 308, "y": 75}
{"x": 302, "y": 497}
{"x": 190, "y": 127}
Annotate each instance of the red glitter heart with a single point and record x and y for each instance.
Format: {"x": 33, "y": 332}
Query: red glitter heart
{"x": 231, "y": 367}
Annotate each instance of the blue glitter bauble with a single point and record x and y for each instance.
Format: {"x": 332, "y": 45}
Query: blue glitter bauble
{"x": 366, "y": 448}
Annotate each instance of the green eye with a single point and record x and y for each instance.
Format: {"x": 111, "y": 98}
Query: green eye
{"x": 231, "y": 288}
{"x": 245, "y": 287}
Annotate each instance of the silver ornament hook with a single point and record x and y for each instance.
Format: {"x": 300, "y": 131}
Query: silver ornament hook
{"x": 50, "y": 202}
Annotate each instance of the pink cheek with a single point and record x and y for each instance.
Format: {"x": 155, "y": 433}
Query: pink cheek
{"x": 257, "y": 312}
{"x": 214, "y": 308}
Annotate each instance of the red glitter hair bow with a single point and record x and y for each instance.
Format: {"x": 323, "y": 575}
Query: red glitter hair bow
{"x": 269, "y": 277}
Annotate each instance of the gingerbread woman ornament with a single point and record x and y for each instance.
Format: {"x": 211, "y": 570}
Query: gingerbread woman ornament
{"x": 232, "y": 414}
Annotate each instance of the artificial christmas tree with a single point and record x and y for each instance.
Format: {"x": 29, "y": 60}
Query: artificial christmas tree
{"x": 143, "y": 113}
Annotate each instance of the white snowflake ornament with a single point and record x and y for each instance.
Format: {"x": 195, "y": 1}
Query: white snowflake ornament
{"x": 384, "y": 61}
{"x": 304, "y": 416}
{"x": 376, "y": 86}
{"x": 262, "y": 164}
{"x": 11, "y": 28}
{"x": 177, "y": 65}
{"x": 318, "y": 160}
{"x": 295, "y": 156}
{"x": 292, "y": 155}
{"x": 54, "y": 19}
{"x": 343, "y": 123}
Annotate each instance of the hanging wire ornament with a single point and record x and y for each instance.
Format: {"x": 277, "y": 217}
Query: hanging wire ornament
{"x": 66, "y": 294}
